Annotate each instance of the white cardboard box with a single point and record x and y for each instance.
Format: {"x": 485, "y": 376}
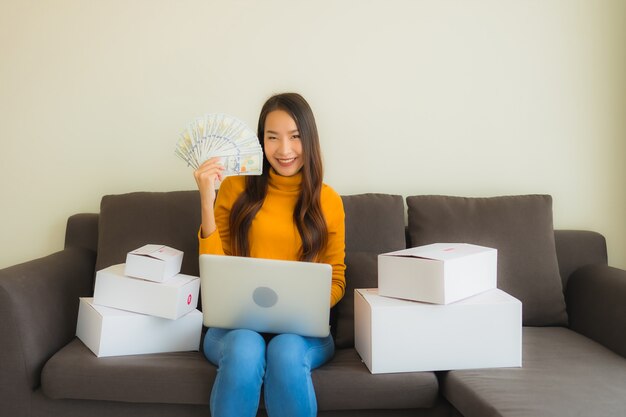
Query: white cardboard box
{"x": 112, "y": 332}
{"x": 393, "y": 335}
{"x": 171, "y": 299}
{"x": 440, "y": 273}
{"x": 154, "y": 262}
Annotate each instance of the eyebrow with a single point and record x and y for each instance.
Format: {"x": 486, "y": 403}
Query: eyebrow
{"x": 276, "y": 133}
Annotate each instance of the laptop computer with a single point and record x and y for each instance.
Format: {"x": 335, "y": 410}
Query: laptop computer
{"x": 265, "y": 295}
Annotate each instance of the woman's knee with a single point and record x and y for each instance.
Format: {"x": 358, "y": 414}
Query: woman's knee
{"x": 239, "y": 346}
{"x": 302, "y": 354}
{"x": 287, "y": 351}
{"x": 245, "y": 347}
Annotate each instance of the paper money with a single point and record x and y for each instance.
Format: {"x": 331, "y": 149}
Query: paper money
{"x": 248, "y": 164}
{"x": 224, "y": 136}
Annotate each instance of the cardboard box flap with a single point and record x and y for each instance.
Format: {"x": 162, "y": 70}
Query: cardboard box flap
{"x": 107, "y": 311}
{"x": 179, "y": 280}
{"x": 160, "y": 252}
{"x": 440, "y": 251}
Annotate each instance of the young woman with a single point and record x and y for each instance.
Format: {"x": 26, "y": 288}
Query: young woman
{"x": 286, "y": 213}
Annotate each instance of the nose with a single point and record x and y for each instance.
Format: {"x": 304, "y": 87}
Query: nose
{"x": 284, "y": 147}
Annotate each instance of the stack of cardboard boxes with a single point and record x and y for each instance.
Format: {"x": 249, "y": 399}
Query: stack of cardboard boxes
{"x": 142, "y": 306}
{"x": 437, "y": 308}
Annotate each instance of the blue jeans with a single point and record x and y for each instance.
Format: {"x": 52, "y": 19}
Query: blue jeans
{"x": 245, "y": 362}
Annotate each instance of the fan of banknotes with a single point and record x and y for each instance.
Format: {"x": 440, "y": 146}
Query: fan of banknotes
{"x": 223, "y": 136}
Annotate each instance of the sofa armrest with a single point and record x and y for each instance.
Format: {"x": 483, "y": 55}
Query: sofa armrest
{"x": 82, "y": 231}
{"x": 596, "y": 305}
{"x": 38, "y": 311}
{"x": 578, "y": 248}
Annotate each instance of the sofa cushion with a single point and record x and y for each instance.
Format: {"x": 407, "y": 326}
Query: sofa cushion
{"x": 177, "y": 378}
{"x": 187, "y": 377}
{"x": 344, "y": 383}
{"x": 361, "y": 272}
{"x": 563, "y": 374}
{"x": 374, "y": 224}
{"x": 519, "y": 227}
{"x": 129, "y": 221}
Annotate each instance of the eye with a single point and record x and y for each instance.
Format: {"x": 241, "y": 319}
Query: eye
{"x": 294, "y": 137}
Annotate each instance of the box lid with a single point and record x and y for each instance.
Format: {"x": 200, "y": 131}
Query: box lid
{"x": 492, "y": 296}
{"x": 440, "y": 251}
{"x": 106, "y": 311}
{"x": 160, "y": 252}
{"x": 178, "y": 280}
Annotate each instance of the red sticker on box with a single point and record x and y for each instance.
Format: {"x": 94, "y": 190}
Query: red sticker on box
{"x": 189, "y": 299}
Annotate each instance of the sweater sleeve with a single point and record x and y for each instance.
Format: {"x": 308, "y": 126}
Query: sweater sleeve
{"x": 335, "y": 252}
{"x": 211, "y": 244}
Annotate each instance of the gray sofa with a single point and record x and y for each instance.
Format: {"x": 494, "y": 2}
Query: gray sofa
{"x": 574, "y": 314}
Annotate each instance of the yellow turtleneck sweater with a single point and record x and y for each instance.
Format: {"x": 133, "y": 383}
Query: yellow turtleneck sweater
{"x": 273, "y": 233}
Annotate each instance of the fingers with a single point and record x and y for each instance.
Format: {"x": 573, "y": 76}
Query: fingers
{"x": 207, "y": 174}
{"x": 211, "y": 164}
{"x": 209, "y": 169}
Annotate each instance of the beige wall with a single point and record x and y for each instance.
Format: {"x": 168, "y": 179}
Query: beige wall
{"x": 470, "y": 98}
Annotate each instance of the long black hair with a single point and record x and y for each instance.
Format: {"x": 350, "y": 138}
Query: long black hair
{"x": 307, "y": 214}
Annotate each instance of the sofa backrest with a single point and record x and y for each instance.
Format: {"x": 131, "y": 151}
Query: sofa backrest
{"x": 519, "y": 227}
{"x": 129, "y": 221}
{"x": 375, "y": 223}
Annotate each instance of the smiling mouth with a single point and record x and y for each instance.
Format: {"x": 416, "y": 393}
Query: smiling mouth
{"x": 286, "y": 161}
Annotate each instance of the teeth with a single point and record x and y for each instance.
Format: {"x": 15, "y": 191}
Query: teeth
{"x": 286, "y": 161}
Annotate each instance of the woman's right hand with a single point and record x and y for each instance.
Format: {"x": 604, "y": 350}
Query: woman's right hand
{"x": 206, "y": 175}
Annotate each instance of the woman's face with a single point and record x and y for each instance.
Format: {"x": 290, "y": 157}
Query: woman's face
{"x": 283, "y": 148}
